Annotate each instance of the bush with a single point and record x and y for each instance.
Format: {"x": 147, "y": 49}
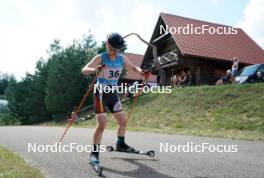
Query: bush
{"x": 7, "y": 119}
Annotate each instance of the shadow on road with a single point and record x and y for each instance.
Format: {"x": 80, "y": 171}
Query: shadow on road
{"x": 141, "y": 171}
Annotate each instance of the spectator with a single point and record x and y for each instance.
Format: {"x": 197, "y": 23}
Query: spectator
{"x": 226, "y": 79}
{"x": 182, "y": 78}
{"x": 174, "y": 80}
{"x": 234, "y": 69}
{"x": 189, "y": 78}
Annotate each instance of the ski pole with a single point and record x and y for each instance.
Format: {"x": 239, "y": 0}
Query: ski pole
{"x": 146, "y": 76}
{"x": 154, "y": 48}
{"x": 72, "y": 119}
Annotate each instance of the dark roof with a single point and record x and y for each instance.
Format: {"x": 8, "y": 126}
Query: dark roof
{"x": 217, "y": 46}
{"x": 136, "y": 59}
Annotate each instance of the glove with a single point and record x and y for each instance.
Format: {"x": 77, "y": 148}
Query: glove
{"x": 99, "y": 68}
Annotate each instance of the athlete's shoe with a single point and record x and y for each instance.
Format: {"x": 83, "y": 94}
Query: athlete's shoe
{"x": 94, "y": 162}
{"x": 124, "y": 148}
{"x": 94, "y": 159}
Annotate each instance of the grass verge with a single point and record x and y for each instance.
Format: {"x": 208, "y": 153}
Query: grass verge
{"x": 13, "y": 166}
{"x": 230, "y": 111}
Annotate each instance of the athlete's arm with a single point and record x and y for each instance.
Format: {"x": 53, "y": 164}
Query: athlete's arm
{"x": 131, "y": 66}
{"x": 91, "y": 67}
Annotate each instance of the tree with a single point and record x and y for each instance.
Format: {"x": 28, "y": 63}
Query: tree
{"x": 4, "y": 80}
{"x": 16, "y": 95}
{"x": 65, "y": 83}
{"x": 56, "y": 86}
{"x": 26, "y": 97}
{"x": 38, "y": 93}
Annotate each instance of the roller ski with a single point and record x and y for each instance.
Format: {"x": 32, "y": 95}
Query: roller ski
{"x": 94, "y": 162}
{"x": 127, "y": 149}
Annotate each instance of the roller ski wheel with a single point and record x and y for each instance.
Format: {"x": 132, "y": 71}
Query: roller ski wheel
{"x": 150, "y": 153}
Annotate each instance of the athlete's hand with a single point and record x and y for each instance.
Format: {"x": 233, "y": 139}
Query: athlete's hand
{"x": 73, "y": 117}
{"x": 99, "y": 68}
{"x": 145, "y": 74}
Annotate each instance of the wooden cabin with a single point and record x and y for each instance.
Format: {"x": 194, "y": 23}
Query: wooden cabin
{"x": 207, "y": 56}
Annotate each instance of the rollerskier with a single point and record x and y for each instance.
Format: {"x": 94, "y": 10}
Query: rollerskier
{"x": 109, "y": 64}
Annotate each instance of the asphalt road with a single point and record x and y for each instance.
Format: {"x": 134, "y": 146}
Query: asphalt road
{"x": 248, "y": 161}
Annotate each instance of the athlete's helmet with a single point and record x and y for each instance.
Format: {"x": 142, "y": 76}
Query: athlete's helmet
{"x": 115, "y": 40}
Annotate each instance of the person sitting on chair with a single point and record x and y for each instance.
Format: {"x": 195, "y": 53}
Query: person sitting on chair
{"x": 182, "y": 78}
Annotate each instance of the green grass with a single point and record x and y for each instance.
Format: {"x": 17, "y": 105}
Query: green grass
{"x": 13, "y": 166}
{"x": 231, "y": 111}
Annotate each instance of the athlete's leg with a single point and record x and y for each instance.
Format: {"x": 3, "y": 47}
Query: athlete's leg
{"x": 122, "y": 123}
{"x": 101, "y": 124}
{"x": 116, "y": 109}
{"x": 101, "y": 120}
